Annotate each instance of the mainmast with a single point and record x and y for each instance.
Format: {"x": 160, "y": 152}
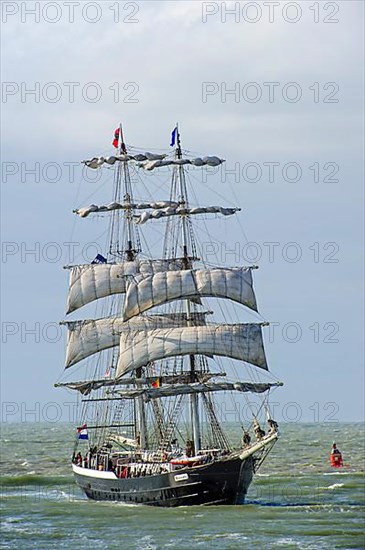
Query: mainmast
{"x": 184, "y": 220}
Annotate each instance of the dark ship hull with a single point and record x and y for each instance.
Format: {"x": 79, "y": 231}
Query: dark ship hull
{"x": 221, "y": 482}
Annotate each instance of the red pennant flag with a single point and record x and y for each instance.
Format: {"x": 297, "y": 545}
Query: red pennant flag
{"x": 116, "y": 138}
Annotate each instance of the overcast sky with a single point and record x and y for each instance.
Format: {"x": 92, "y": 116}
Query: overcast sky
{"x": 295, "y": 73}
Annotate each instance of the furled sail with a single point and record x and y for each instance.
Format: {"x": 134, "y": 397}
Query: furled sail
{"x": 159, "y": 210}
{"x": 122, "y": 440}
{"x": 86, "y": 210}
{"x": 93, "y": 335}
{"x": 241, "y": 341}
{"x": 87, "y": 386}
{"x": 149, "y": 161}
{"x": 168, "y": 391}
{"x": 93, "y": 281}
{"x": 181, "y": 211}
{"x": 150, "y": 164}
{"x": 96, "y": 162}
{"x": 144, "y": 293}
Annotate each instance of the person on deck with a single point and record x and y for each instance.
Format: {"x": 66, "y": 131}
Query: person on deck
{"x": 189, "y": 448}
{"x": 273, "y": 425}
{"x": 174, "y": 447}
{"x": 246, "y": 439}
{"x": 259, "y": 432}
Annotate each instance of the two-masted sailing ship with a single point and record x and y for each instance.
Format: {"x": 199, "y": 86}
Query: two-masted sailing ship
{"x": 160, "y": 370}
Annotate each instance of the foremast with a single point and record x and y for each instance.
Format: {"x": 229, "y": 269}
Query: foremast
{"x": 123, "y": 186}
{"x": 131, "y": 248}
{"x": 194, "y": 397}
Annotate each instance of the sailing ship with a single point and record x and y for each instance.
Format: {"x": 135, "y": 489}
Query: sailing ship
{"x": 155, "y": 361}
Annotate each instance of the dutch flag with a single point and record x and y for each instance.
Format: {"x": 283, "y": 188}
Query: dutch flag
{"x": 82, "y": 432}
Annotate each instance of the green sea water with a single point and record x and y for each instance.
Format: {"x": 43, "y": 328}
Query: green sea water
{"x": 296, "y": 500}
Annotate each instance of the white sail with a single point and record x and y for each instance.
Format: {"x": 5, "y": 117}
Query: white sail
{"x": 149, "y": 161}
{"x": 181, "y": 211}
{"x": 243, "y": 342}
{"x": 160, "y": 209}
{"x": 151, "y": 164}
{"x": 93, "y": 281}
{"x": 86, "y": 210}
{"x": 96, "y": 162}
{"x": 87, "y": 386}
{"x": 197, "y": 387}
{"x": 93, "y": 335}
{"x": 123, "y": 440}
{"x": 144, "y": 293}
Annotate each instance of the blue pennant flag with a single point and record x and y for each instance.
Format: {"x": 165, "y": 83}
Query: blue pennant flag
{"x": 173, "y": 136}
{"x": 99, "y": 259}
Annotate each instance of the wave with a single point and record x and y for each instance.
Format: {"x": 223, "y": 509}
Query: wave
{"x": 338, "y": 473}
{"x": 307, "y": 505}
{"x": 335, "y": 486}
{"x": 33, "y": 478}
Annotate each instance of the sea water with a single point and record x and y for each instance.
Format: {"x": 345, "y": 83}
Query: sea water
{"x": 295, "y": 501}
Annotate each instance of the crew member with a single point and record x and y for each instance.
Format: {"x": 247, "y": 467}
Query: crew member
{"x": 246, "y": 439}
{"x": 273, "y": 425}
{"x": 189, "y": 448}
